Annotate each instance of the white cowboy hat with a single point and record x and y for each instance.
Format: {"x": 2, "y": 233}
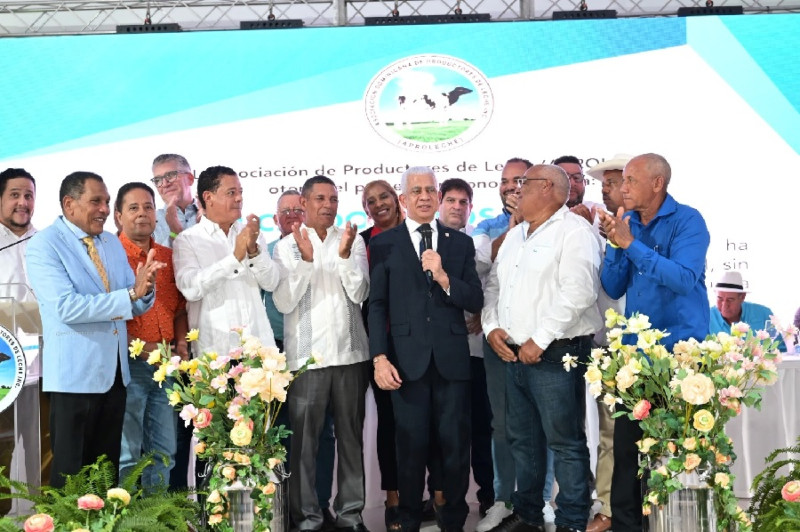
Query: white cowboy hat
{"x": 730, "y": 282}
{"x": 617, "y": 162}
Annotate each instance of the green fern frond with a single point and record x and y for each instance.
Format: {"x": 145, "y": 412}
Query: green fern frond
{"x": 767, "y": 506}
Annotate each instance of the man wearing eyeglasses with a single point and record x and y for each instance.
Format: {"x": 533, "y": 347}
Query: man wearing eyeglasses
{"x": 173, "y": 178}
{"x": 540, "y": 306}
{"x": 577, "y": 187}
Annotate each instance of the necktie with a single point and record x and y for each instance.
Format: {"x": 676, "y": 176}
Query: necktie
{"x": 95, "y": 256}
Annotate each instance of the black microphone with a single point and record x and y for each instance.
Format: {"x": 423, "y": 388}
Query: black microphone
{"x": 427, "y": 242}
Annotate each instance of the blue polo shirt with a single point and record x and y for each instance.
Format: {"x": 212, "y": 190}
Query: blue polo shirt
{"x": 662, "y": 273}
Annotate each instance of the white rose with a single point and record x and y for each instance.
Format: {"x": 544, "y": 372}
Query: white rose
{"x": 697, "y": 389}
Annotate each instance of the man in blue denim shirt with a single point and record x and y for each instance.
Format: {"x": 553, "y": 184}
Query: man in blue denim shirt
{"x": 656, "y": 257}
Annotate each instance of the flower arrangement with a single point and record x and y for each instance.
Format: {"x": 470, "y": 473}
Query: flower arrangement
{"x": 233, "y": 401}
{"x": 79, "y": 506}
{"x": 682, "y": 400}
{"x": 776, "y": 492}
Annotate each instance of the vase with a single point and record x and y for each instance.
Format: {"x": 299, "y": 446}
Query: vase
{"x": 241, "y": 511}
{"x": 690, "y": 509}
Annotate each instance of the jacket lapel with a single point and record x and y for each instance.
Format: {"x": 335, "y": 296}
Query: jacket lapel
{"x": 78, "y": 250}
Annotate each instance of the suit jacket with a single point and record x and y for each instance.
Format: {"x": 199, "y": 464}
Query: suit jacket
{"x": 84, "y": 326}
{"x": 424, "y": 321}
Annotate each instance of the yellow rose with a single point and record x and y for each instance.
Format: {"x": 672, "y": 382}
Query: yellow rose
{"x": 646, "y": 510}
{"x": 273, "y": 462}
{"x": 160, "y": 374}
{"x": 214, "y": 519}
{"x": 192, "y": 335}
{"x": 721, "y": 458}
{"x": 645, "y": 444}
{"x": 703, "y": 420}
{"x": 227, "y": 455}
{"x": 214, "y": 497}
{"x": 722, "y": 479}
{"x": 119, "y": 494}
{"x": 652, "y": 497}
{"x": 174, "y": 397}
{"x": 200, "y": 447}
{"x": 269, "y": 489}
{"x": 136, "y": 348}
{"x": 229, "y": 472}
{"x": 690, "y": 444}
{"x": 241, "y": 434}
{"x": 240, "y": 458}
{"x": 154, "y": 357}
{"x": 593, "y": 374}
{"x": 662, "y": 470}
{"x": 691, "y": 461}
{"x": 218, "y": 509}
{"x": 671, "y": 447}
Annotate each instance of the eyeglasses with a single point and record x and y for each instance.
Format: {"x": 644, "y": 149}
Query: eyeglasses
{"x": 577, "y": 178}
{"x": 287, "y": 212}
{"x": 166, "y": 179}
{"x": 522, "y": 180}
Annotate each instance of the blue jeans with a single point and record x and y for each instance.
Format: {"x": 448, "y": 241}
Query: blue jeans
{"x": 503, "y": 461}
{"x": 149, "y": 426}
{"x": 546, "y": 408}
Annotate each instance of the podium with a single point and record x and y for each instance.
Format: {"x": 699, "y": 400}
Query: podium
{"x": 21, "y": 422}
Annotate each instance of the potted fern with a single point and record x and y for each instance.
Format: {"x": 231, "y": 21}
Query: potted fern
{"x": 776, "y": 492}
{"x": 92, "y": 501}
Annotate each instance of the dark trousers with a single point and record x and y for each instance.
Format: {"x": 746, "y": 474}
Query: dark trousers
{"x": 84, "y": 426}
{"x": 481, "y": 440}
{"x": 387, "y": 455}
{"x": 482, "y": 466}
{"x": 626, "y": 486}
{"x": 432, "y": 400}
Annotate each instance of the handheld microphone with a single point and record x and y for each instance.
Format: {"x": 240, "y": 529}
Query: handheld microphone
{"x": 427, "y": 242}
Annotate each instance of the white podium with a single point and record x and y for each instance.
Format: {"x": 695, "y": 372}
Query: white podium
{"x": 20, "y": 422}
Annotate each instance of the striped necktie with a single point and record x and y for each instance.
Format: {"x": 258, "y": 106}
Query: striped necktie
{"x": 95, "y": 256}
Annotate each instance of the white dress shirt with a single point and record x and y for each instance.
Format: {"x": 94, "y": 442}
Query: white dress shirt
{"x": 416, "y": 236}
{"x": 544, "y": 286}
{"x": 13, "y": 276}
{"x": 321, "y": 300}
{"x": 220, "y": 291}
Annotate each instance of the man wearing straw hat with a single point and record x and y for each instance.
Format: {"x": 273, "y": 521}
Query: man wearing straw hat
{"x": 732, "y": 308}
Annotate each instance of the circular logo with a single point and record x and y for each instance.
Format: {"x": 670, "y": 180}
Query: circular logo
{"x": 429, "y": 102}
{"x": 12, "y": 368}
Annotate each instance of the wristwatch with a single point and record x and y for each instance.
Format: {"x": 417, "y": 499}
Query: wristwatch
{"x": 132, "y": 294}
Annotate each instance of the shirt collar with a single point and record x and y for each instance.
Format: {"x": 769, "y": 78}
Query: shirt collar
{"x": 9, "y": 233}
{"x": 131, "y": 248}
{"x": 668, "y": 206}
{"x": 77, "y": 231}
{"x": 414, "y": 225}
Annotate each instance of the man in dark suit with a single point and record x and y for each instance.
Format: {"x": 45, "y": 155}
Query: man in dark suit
{"x": 423, "y": 278}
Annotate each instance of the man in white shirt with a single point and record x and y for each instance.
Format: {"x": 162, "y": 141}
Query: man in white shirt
{"x": 540, "y": 307}
{"x": 325, "y": 277}
{"x": 220, "y": 265}
{"x": 17, "y": 199}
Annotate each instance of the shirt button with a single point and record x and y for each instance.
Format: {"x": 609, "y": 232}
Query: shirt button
{"x": 235, "y": 271}
{"x": 428, "y": 318}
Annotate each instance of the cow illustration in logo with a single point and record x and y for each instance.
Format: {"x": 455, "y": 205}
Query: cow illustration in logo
{"x": 429, "y": 102}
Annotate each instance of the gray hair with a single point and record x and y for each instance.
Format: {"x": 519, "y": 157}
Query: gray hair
{"x": 415, "y": 170}
{"x": 557, "y": 176}
{"x": 290, "y": 192}
{"x": 172, "y": 157}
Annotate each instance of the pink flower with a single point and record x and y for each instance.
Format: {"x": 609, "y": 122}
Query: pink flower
{"x": 741, "y": 327}
{"x": 791, "y": 491}
{"x": 236, "y": 370}
{"x": 39, "y": 523}
{"x": 203, "y": 418}
{"x": 90, "y": 502}
{"x": 642, "y": 409}
{"x": 762, "y": 335}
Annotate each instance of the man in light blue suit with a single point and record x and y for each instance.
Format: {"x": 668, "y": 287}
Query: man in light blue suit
{"x": 86, "y": 291}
